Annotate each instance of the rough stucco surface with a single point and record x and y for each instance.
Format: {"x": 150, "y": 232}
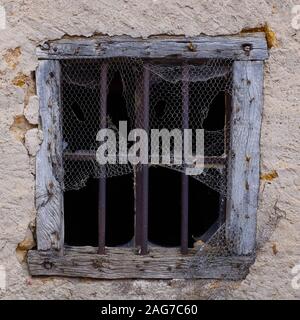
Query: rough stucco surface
{"x": 31, "y": 22}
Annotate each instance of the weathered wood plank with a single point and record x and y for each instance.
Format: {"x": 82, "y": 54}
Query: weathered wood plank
{"x": 244, "y": 155}
{"x": 123, "y": 263}
{"x": 241, "y": 47}
{"x": 49, "y": 169}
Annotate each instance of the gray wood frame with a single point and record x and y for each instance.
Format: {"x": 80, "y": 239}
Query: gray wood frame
{"x": 118, "y": 263}
{"x": 248, "y": 52}
{"x": 247, "y": 103}
{"x": 49, "y": 167}
{"x": 247, "y": 47}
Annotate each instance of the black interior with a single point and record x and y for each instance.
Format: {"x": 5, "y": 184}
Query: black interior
{"x": 165, "y": 207}
{"x": 81, "y": 206}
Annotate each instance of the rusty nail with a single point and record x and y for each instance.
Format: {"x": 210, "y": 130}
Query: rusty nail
{"x": 247, "y": 47}
{"x": 45, "y": 46}
{"x": 48, "y": 265}
{"x": 192, "y": 47}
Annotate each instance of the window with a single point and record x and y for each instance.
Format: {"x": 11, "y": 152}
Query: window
{"x": 171, "y": 225}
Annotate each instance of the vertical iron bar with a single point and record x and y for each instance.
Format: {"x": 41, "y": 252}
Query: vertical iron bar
{"x": 144, "y": 209}
{"x": 137, "y": 207}
{"x": 184, "y": 177}
{"x": 102, "y": 180}
{"x": 145, "y": 168}
{"x": 142, "y": 173}
{"x": 138, "y": 173}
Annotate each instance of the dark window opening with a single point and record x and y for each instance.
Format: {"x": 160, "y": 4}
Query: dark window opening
{"x": 160, "y": 108}
{"x": 204, "y": 209}
{"x": 215, "y": 119}
{"x": 165, "y": 188}
{"x": 116, "y": 103}
{"x": 120, "y": 210}
{"x": 81, "y": 213}
{"x": 81, "y": 207}
{"x": 81, "y": 210}
{"x": 80, "y": 105}
{"x": 215, "y": 126}
{"x": 77, "y": 111}
{"x": 165, "y": 207}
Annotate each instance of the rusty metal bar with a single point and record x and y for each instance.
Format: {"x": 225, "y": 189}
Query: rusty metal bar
{"x": 138, "y": 175}
{"x": 102, "y": 180}
{"x": 138, "y": 226}
{"x": 184, "y": 177}
{"x": 142, "y": 178}
{"x": 145, "y": 168}
{"x": 144, "y": 209}
{"x": 210, "y": 161}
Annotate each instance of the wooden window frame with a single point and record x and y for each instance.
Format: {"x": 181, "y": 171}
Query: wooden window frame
{"x": 52, "y": 258}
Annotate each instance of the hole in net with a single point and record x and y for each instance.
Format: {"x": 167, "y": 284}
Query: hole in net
{"x": 165, "y": 207}
{"x": 77, "y": 111}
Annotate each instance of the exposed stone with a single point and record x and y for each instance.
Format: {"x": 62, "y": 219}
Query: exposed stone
{"x": 20, "y": 80}
{"x": 31, "y": 23}
{"x": 31, "y": 111}
{"x": 11, "y": 57}
{"x": 20, "y": 127}
{"x": 33, "y": 139}
{"x": 25, "y": 245}
{"x": 269, "y": 175}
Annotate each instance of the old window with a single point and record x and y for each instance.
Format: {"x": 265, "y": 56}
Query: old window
{"x": 148, "y": 221}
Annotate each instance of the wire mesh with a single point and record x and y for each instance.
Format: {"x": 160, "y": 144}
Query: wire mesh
{"x": 209, "y": 83}
{"x": 209, "y": 89}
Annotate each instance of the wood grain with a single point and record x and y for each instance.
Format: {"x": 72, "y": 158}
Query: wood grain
{"x": 49, "y": 168}
{"x": 123, "y": 263}
{"x": 201, "y": 47}
{"x": 243, "y": 184}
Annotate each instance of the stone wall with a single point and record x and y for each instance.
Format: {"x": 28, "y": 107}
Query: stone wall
{"x": 30, "y": 22}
